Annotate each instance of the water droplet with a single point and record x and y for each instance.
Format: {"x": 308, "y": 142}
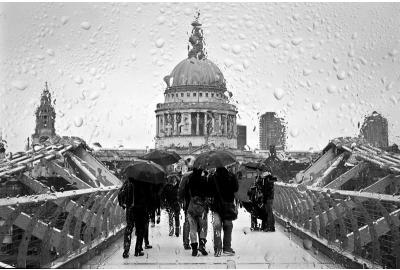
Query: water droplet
{"x": 64, "y": 19}
{"x": 236, "y": 49}
{"x": 274, "y": 43}
{"x": 85, "y": 25}
{"x": 336, "y": 60}
{"x": 78, "y": 121}
{"x": 294, "y": 132}
{"x": 19, "y": 85}
{"x": 316, "y": 106}
{"x": 297, "y": 41}
{"x": 331, "y": 89}
{"x": 307, "y": 71}
{"x": 393, "y": 52}
{"x": 133, "y": 57}
{"x": 341, "y": 75}
{"x": 307, "y": 244}
{"x": 160, "y": 43}
{"x": 279, "y": 93}
{"x": 50, "y": 52}
{"x": 230, "y": 264}
{"x": 78, "y": 80}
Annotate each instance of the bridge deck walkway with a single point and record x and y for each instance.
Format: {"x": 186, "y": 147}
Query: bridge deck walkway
{"x": 279, "y": 249}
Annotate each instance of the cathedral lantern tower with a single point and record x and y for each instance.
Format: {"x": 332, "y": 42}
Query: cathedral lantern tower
{"x": 196, "y": 110}
{"x": 45, "y": 118}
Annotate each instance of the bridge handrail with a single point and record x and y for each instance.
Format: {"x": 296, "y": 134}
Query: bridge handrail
{"x": 45, "y": 230}
{"x": 362, "y": 225}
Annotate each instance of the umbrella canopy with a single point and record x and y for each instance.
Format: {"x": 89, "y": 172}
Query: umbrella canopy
{"x": 146, "y": 171}
{"x": 214, "y": 159}
{"x": 163, "y": 158}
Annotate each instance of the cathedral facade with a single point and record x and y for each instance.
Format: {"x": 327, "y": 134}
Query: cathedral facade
{"x": 196, "y": 111}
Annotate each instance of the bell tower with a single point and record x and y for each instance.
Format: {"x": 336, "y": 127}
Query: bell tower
{"x": 45, "y": 118}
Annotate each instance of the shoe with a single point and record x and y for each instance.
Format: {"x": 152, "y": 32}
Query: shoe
{"x": 272, "y": 229}
{"x": 171, "y": 231}
{"x": 217, "y": 253}
{"x": 177, "y": 231}
{"x": 194, "y": 249}
{"x": 158, "y": 220}
{"x": 229, "y": 252}
{"x": 202, "y": 247}
{"x": 139, "y": 253}
{"x": 186, "y": 246}
{"x": 125, "y": 254}
{"x": 152, "y": 224}
{"x": 148, "y": 246}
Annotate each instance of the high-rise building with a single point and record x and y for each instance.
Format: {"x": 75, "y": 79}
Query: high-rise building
{"x": 241, "y": 137}
{"x": 375, "y": 130}
{"x": 272, "y": 131}
{"x": 196, "y": 111}
{"x": 45, "y": 118}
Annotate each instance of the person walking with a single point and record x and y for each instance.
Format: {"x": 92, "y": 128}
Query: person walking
{"x": 142, "y": 199}
{"x": 169, "y": 197}
{"x": 198, "y": 211}
{"x": 184, "y": 199}
{"x": 223, "y": 186}
{"x": 127, "y": 204}
{"x": 266, "y": 183}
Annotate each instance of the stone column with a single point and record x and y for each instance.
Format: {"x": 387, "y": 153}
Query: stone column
{"x": 157, "y": 126}
{"x": 234, "y": 126}
{"x": 205, "y": 123}
{"x": 198, "y": 124}
{"x": 213, "y": 124}
{"x": 165, "y": 124}
{"x": 190, "y": 123}
{"x": 226, "y": 125}
{"x": 175, "y": 125}
{"x": 220, "y": 124}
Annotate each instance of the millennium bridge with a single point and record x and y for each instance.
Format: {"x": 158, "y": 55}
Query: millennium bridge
{"x": 58, "y": 209}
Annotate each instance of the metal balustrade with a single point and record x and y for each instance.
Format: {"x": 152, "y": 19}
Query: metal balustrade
{"x": 362, "y": 226}
{"x": 48, "y": 230}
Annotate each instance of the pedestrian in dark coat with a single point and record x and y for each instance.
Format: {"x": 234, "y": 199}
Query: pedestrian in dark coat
{"x": 223, "y": 186}
{"x": 184, "y": 199}
{"x": 198, "y": 211}
{"x": 169, "y": 198}
{"x": 266, "y": 185}
{"x": 129, "y": 215}
{"x": 139, "y": 212}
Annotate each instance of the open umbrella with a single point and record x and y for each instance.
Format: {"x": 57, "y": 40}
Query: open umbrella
{"x": 146, "y": 171}
{"x": 214, "y": 159}
{"x": 161, "y": 157}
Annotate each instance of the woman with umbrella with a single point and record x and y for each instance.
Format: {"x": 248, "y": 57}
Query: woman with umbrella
{"x": 145, "y": 176}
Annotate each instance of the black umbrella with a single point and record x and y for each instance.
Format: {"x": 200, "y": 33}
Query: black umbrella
{"x": 214, "y": 159}
{"x": 252, "y": 165}
{"x": 146, "y": 171}
{"x": 161, "y": 157}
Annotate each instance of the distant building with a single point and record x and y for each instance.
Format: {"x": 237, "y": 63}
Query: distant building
{"x": 375, "y": 130}
{"x": 45, "y": 118}
{"x": 241, "y": 137}
{"x": 272, "y": 131}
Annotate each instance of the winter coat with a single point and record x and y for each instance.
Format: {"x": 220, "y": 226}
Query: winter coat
{"x": 143, "y": 195}
{"x": 267, "y": 187}
{"x": 183, "y": 193}
{"x": 169, "y": 196}
{"x": 227, "y": 186}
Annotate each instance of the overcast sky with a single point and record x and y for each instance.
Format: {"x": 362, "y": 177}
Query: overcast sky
{"x": 322, "y": 66}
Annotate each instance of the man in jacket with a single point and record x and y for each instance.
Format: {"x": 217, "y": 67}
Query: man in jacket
{"x": 223, "y": 186}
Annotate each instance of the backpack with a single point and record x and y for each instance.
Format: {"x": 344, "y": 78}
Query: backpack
{"x": 125, "y": 194}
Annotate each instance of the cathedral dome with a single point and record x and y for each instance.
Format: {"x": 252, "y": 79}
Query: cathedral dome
{"x": 193, "y": 71}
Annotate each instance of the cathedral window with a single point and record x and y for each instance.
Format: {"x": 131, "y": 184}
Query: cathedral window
{"x": 200, "y": 94}
{"x": 181, "y": 94}
{"x": 206, "y": 94}
{"x": 188, "y": 94}
{"x": 194, "y": 94}
{"x": 212, "y": 94}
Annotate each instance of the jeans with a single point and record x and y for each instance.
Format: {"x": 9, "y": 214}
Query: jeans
{"x": 198, "y": 226}
{"x": 218, "y": 225}
{"x": 186, "y": 230}
{"x": 173, "y": 215}
{"x": 270, "y": 220}
{"x": 141, "y": 219}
